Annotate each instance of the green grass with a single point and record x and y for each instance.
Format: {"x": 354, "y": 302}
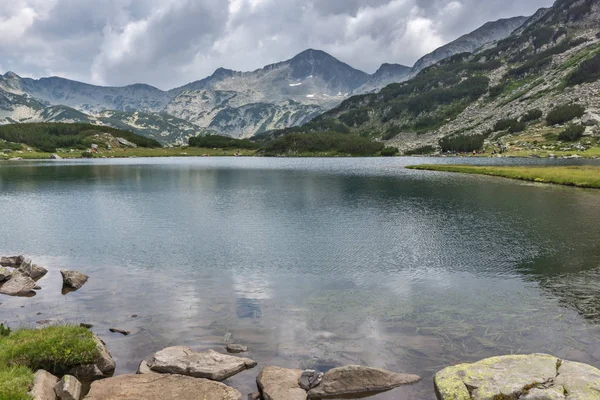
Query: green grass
{"x": 15, "y": 383}
{"x": 581, "y": 176}
{"x": 55, "y": 349}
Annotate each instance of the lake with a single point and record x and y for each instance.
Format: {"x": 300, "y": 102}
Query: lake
{"x": 312, "y": 263}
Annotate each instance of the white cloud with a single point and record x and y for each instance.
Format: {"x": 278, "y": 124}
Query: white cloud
{"x": 171, "y": 42}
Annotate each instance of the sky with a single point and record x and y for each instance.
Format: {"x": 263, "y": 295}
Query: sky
{"x": 167, "y": 43}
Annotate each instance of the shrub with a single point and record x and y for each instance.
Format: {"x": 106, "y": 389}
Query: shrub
{"x": 598, "y": 35}
{"x": 355, "y": 117}
{"x": 319, "y": 142}
{"x": 542, "y": 36}
{"x": 504, "y": 124}
{"x": 4, "y": 330}
{"x": 587, "y": 72}
{"x": 87, "y": 154}
{"x": 564, "y": 113}
{"x": 532, "y": 115}
{"x": 391, "y": 132}
{"x": 462, "y": 143}
{"x": 497, "y": 90}
{"x": 389, "y": 152}
{"x": 221, "y": 142}
{"x": 572, "y": 133}
{"x": 517, "y": 127}
{"x": 420, "y": 150}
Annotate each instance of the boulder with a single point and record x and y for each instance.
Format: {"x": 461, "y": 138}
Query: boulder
{"x": 73, "y": 279}
{"x": 526, "y": 377}
{"x": 277, "y": 383}
{"x": 163, "y": 387}
{"x": 210, "y": 365}
{"x": 69, "y": 388}
{"x": 359, "y": 381}
{"x": 4, "y": 274}
{"x": 36, "y": 272}
{"x": 14, "y": 261}
{"x": 43, "y": 386}
{"x": 310, "y": 379}
{"x": 236, "y": 348}
{"x": 25, "y": 266}
{"x": 55, "y": 157}
{"x": 18, "y": 285}
{"x": 144, "y": 369}
{"x": 104, "y": 367}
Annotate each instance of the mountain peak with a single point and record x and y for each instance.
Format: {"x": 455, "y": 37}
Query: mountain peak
{"x": 11, "y": 74}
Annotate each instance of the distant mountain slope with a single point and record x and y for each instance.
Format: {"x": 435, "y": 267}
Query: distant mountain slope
{"x": 553, "y": 61}
{"x": 490, "y": 32}
{"x": 238, "y": 104}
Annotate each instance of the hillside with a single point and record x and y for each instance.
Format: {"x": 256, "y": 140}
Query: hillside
{"x": 470, "y": 98}
{"x": 48, "y": 137}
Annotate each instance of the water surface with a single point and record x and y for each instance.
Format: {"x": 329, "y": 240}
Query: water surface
{"x": 312, "y": 263}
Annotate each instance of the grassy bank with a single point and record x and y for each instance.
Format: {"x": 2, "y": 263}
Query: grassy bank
{"x": 55, "y": 349}
{"x": 581, "y": 176}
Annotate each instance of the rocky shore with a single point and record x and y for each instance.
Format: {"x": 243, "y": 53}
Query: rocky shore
{"x": 179, "y": 372}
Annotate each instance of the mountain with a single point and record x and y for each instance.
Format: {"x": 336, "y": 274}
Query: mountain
{"x": 386, "y": 74}
{"x": 490, "y": 32}
{"x": 534, "y": 80}
{"x": 238, "y": 104}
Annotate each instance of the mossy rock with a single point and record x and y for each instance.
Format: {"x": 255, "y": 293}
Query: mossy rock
{"x": 536, "y": 376}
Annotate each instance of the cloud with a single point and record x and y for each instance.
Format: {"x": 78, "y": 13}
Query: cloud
{"x": 171, "y": 42}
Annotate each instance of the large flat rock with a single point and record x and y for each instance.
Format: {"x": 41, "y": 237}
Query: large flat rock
{"x": 210, "y": 365}
{"x": 527, "y": 377}
{"x": 357, "y": 380}
{"x": 160, "y": 387}
{"x": 19, "y": 284}
{"x": 280, "y": 384}
{"x": 103, "y": 367}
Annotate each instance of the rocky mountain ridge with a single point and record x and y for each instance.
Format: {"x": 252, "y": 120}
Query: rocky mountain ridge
{"x": 237, "y": 104}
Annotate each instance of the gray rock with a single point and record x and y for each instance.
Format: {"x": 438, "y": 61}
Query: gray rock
{"x": 55, "y": 157}
{"x": 18, "y": 285}
{"x": 37, "y": 272}
{"x": 69, "y": 388}
{"x": 26, "y": 266}
{"x": 73, "y": 279}
{"x": 514, "y": 375}
{"x": 210, "y": 365}
{"x": 104, "y": 367}
{"x": 356, "y": 380}
{"x": 4, "y": 274}
{"x": 13, "y": 261}
{"x": 236, "y": 348}
{"x": 254, "y": 396}
{"x": 310, "y": 379}
{"x": 277, "y": 383}
{"x": 144, "y": 369}
{"x": 43, "y": 386}
{"x": 126, "y": 143}
{"x": 163, "y": 387}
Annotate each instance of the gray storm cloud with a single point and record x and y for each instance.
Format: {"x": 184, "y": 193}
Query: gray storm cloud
{"x": 167, "y": 43}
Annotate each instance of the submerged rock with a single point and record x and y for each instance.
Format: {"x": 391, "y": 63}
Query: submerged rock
{"x": 236, "y": 348}
{"x": 104, "y": 367}
{"x": 277, "y": 383}
{"x": 121, "y": 331}
{"x": 163, "y": 387}
{"x": 210, "y": 365}
{"x": 43, "y": 386}
{"x": 73, "y": 279}
{"x": 19, "y": 284}
{"x": 310, "y": 379}
{"x": 527, "y": 377}
{"x": 359, "y": 381}
{"x": 69, "y": 388}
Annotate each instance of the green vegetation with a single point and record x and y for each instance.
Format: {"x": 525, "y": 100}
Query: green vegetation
{"x": 222, "y": 142}
{"x": 572, "y": 133}
{"x": 581, "y": 176}
{"x": 462, "y": 143}
{"x": 511, "y": 125}
{"x": 421, "y": 151}
{"x": 389, "y": 152}
{"x": 587, "y": 72}
{"x": 564, "y": 113}
{"x": 50, "y": 136}
{"x": 15, "y": 383}
{"x": 55, "y": 349}
{"x": 322, "y": 143}
{"x": 532, "y": 115}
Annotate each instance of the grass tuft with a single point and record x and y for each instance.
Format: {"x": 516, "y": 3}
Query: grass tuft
{"x": 15, "y": 383}
{"x": 581, "y": 176}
